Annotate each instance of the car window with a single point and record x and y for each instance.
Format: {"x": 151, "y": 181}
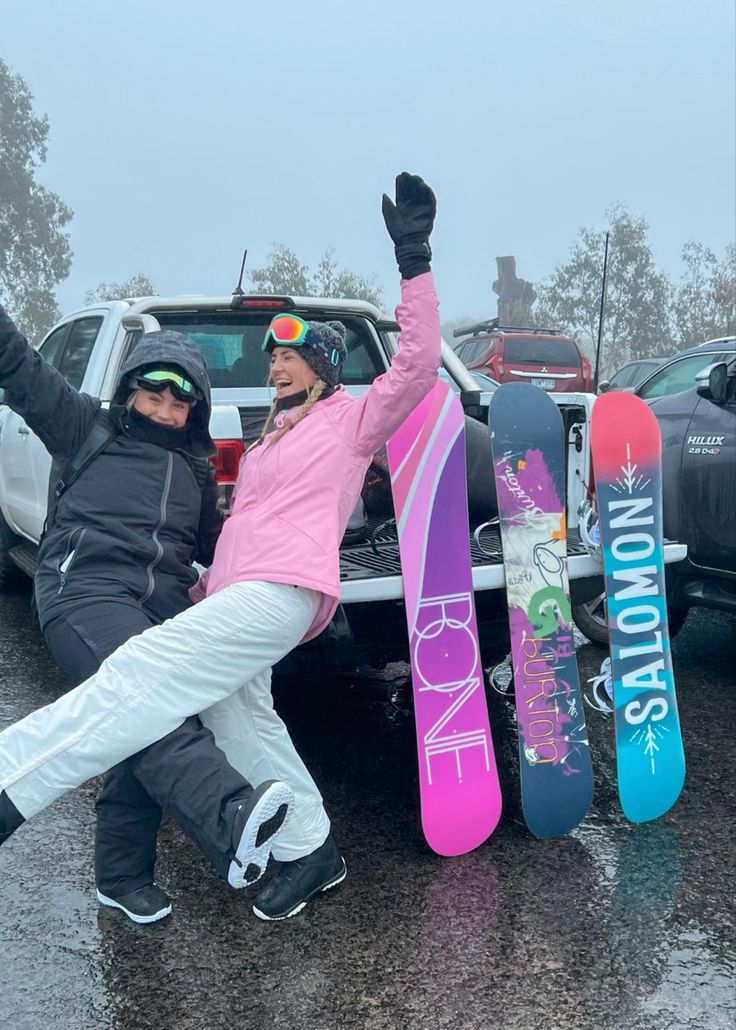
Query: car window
{"x": 623, "y": 377}
{"x": 231, "y": 346}
{"x": 78, "y": 349}
{"x": 678, "y": 376}
{"x": 50, "y": 350}
{"x": 533, "y": 350}
{"x": 52, "y": 347}
{"x": 641, "y": 372}
{"x": 473, "y": 349}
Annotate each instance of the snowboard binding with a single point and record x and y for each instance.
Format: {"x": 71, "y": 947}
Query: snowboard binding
{"x": 477, "y": 532}
{"x": 381, "y": 535}
{"x": 589, "y": 529}
{"x": 501, "y": 677}
{"x": 602, "y": 690}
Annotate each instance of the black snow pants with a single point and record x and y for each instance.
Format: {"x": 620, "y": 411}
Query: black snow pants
{"x": 185, "y": 773}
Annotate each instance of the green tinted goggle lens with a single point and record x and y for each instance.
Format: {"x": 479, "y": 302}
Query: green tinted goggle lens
{"x": 163, "y": 377}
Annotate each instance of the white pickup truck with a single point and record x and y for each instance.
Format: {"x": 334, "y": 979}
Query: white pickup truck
{"x": 88, "y": 347}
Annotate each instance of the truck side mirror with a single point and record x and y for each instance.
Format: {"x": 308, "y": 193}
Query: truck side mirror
{"x": 604, "y": 386}
{"x": 712, "y": 382}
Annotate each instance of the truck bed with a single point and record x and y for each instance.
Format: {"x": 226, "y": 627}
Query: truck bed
{"x": 358, "y": 561}
{"x": 373, "y": 572}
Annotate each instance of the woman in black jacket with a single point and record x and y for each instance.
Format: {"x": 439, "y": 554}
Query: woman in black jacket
{"x": 132, "y": 504}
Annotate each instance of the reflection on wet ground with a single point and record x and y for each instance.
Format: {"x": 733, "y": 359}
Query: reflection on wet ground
{"x": 615, "y": 925}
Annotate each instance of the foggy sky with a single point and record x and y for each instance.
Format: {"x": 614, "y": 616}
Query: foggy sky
{"x": 182, "y": 132}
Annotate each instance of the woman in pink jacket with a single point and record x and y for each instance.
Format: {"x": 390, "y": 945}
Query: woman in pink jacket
{"x": 274, "y": 582}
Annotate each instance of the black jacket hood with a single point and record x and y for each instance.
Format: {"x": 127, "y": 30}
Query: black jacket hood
{"x": 168, "y": 347}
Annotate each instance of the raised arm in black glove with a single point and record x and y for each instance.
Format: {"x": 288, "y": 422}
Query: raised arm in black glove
{"x": 409, "y": 222}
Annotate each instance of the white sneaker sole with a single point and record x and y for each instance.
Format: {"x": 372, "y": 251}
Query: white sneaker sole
{"x": 111, "y": 903}
{"x": 249, "y": 853}
{"x": 297, "y": 910}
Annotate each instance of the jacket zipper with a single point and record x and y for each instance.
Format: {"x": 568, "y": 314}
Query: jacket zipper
{"x": 67, "y": 563}
{"x": 162, "y": 518}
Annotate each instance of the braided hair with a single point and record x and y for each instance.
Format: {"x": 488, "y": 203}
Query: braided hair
{"x": 313, "y": 395}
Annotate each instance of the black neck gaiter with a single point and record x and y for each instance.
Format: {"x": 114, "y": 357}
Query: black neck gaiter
{"x": 139, "y": 427}
{"x": 294, "y": 400}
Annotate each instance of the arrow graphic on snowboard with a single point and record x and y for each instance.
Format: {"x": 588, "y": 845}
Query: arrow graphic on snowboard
{"x": 627, "y": 459}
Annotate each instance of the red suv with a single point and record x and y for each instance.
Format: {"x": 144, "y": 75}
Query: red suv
{"x": 516, "y": 355}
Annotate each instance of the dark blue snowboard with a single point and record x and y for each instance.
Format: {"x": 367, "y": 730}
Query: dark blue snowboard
{"x": 527, "y": 438}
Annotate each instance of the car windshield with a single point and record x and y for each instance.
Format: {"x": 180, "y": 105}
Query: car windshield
{"x": 231, "y": 345}
{"x": 544, "y": 350}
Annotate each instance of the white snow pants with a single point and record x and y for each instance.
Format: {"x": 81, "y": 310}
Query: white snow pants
{"x": 213, "y": 660}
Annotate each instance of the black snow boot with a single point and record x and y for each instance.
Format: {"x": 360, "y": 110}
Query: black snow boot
{"x": 257, "y": 820}
{"x": 10, "y": 817}
{"x": 146, "y": 905}
{"x": 299, "y": 881}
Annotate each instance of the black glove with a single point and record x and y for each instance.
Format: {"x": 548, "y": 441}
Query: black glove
{"x": 409, "y": 222}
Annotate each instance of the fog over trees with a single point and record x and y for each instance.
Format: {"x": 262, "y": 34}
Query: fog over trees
{"x": 646, "y": 313}
{"x": 137, "y": 286}
{"x": 34, "y": 248}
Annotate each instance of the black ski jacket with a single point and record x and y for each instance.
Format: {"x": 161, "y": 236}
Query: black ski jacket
{"x": 129, "y": 528}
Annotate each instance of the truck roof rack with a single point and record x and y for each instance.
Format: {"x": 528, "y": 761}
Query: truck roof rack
{"x": 492, "y": 325}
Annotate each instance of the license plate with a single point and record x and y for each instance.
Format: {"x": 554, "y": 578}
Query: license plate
{"x": 544, "y": 384}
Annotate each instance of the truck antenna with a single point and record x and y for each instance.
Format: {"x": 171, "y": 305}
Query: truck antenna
{"x": 600, "y": 319}
{"x": 238, "y": 291}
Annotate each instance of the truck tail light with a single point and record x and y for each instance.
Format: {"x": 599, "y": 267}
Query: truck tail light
{"x": 226, "y": 461}
{"x": 261, "y": 303}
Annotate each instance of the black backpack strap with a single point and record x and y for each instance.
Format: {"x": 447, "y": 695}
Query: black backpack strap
{"x": 99, "y": 436}
{"x": 101, "y": 433}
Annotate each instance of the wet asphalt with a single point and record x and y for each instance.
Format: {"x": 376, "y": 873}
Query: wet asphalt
{"x": 615, "y": 925}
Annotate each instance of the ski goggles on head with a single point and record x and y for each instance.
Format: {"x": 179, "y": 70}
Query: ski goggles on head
{"x": 293, "y": 331}
{"x": 159, "y": 379}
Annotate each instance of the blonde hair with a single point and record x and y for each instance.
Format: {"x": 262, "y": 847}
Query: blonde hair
{"x": 315, "y": 392}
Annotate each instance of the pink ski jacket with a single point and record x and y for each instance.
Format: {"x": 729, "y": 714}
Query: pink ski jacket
{"x": 292, "y": 500}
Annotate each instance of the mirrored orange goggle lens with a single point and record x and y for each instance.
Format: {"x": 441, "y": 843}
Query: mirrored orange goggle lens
{"x": 287, "y": 329}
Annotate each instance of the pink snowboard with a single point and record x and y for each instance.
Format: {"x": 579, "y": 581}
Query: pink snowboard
{"x": 460, "y": 794}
